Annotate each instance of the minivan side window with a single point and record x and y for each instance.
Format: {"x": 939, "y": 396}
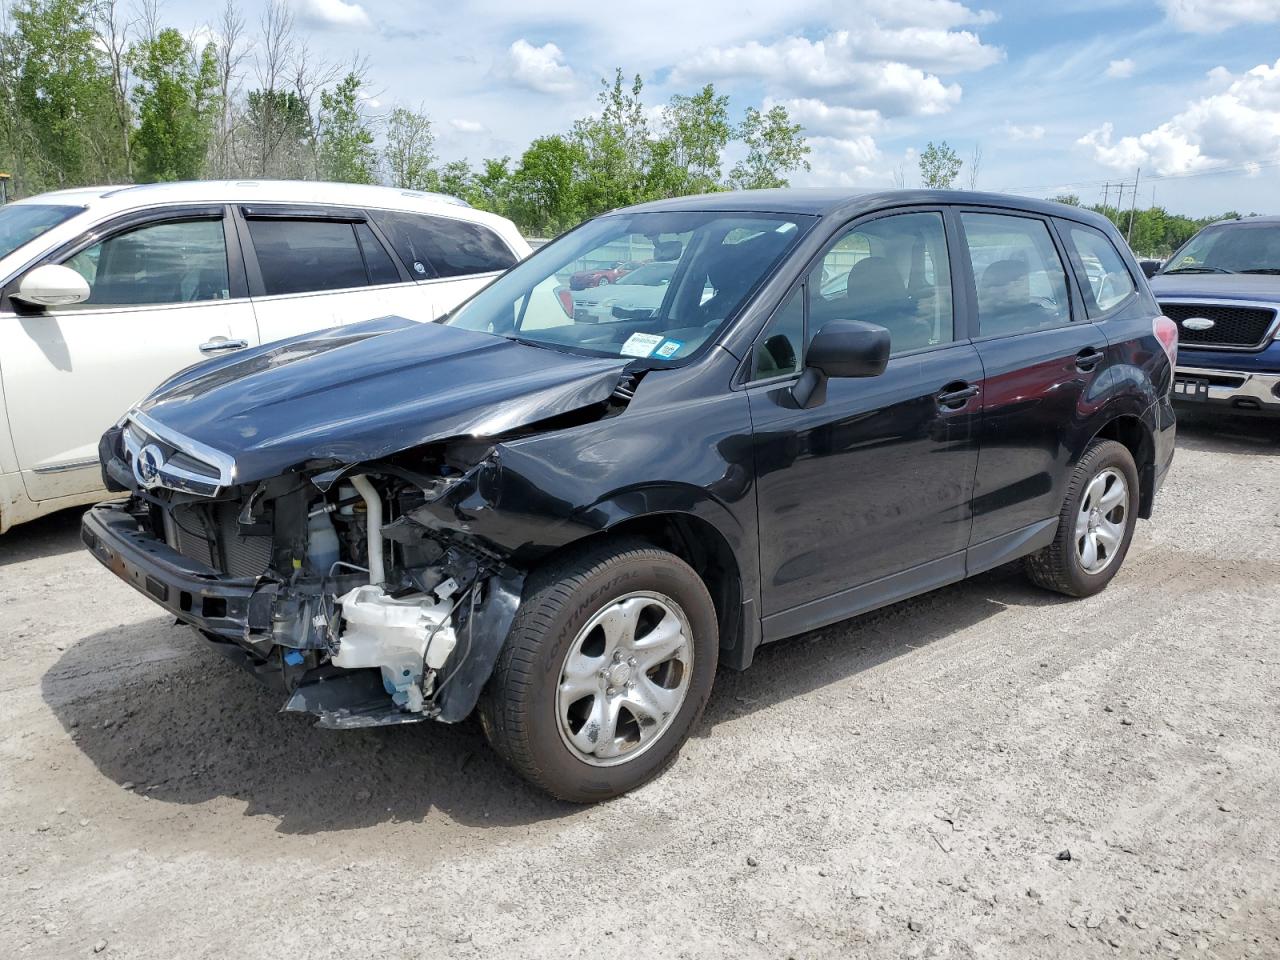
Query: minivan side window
{"x": 1017, "y": 273}
{"x": 1106, "y": 280}
{"x": 159, "y": 263}
{"x": 892, "y": 271}
{"x": 441, "y": 247}
{"x": 303, "y": 256}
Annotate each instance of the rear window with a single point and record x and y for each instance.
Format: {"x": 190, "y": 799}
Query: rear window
{"x": 440, "y": 247}
{"x": 22, "y": 222}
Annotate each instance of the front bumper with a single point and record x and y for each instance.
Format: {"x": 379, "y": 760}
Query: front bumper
{"x": 228, "y": 607}
{"x": 1239, "y": 391}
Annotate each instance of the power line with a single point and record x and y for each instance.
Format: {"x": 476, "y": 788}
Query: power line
{"x": 1214, "y": 172}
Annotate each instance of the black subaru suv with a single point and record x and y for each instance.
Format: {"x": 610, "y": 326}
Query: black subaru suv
{"x": 567, "y": 515}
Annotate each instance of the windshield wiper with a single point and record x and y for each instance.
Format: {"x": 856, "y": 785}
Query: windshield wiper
{"x": 1261, "y": 270}
{"x": 1198, "y": 270}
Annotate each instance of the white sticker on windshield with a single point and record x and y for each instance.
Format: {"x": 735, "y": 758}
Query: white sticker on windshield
{"x": 640, "y": 344}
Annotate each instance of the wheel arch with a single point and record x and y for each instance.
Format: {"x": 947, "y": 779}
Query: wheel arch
{"x": 1132, "y": 431}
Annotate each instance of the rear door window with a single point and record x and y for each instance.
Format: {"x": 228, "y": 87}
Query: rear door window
{"x": 1017, "y": 273}
{"x": 304, "y": 256}
{"x": 433, "y": 246}
{"x": 1106, "y": 281}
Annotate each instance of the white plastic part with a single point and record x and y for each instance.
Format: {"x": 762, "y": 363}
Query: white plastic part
{"x": 373, "y": 521}
{"x": 52, "y": 286}
{"x": 398, "y": 636}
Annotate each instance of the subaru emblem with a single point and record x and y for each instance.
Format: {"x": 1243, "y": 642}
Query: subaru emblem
{"x": 147, "y": 464}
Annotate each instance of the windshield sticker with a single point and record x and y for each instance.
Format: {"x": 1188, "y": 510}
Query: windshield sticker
{"x": 640, "y": 344}
{"x": 668, "y": 349}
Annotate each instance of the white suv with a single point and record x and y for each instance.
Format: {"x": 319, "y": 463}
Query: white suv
{"x": 106, "y": 291}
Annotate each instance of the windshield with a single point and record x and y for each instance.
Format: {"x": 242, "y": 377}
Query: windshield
{"x": 701, "y": 268}
{"x": 21, "y": 222}
{"x": 1230, "y": 248}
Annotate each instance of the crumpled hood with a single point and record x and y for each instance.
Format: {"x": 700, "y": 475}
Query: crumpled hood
{"x": 1218, "y": 286}
{"x": 365, "y": 391}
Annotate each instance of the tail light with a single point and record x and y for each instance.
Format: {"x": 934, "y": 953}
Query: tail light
{"x": 1166, "y": 332}
{"x": 566, "y": 301}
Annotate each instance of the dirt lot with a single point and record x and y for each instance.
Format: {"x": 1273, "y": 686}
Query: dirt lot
{"x": 901, "y": 785}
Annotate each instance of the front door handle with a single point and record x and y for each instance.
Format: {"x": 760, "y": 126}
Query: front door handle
{"x": 222, "y": 345}
{"x": 956, "y": 395}
{"x": 1088, "y": 358}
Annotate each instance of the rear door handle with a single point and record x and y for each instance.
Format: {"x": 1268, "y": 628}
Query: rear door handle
{"x": 1088, "y": 358}
{"x": 222, "y": 345}
{"x": 956, "y": 395}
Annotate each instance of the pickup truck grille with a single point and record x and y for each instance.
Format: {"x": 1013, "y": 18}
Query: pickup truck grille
{"x": 1242, "y": 328}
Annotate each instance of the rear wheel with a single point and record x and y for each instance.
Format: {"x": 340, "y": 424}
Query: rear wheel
{"x": 606, "y": 669}
{"x": 1095, "y": 526}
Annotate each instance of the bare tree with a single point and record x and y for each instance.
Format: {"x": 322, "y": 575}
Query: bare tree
{"x": 112, "y": 32}
{"x": 275, "y": 51}
{"x": 231, "y": 53}
{"x": 148, "y": 20}
{"x": 975, "y": 164}
{"x": 308, "y": 75}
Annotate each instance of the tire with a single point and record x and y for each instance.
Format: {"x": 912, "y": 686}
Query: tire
{"x": 1064, "y": 566}
{"x": 542, "y": 709}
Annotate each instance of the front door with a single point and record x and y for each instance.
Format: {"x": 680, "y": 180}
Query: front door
{"x": 864, "y": 495}
{"x": 162, "y": 297}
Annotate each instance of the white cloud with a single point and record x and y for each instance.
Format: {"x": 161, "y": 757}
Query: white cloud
{"x": 1214, "y": 16}
{"x": 1238, "y": 123}
{"x": 820, "y": 119}
{"x": 1121, "y": 69}
{"x": 539, "y": 68}
{"x": 1032, "y": 132}
{"x": 842, "y": 162}
{"x": 336, "y": 14}
{"x": 467, "y": 126}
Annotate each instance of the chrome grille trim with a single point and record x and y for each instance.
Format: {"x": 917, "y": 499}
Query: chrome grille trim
{"x": 1226, "y": 302}
{"x": 140, "y": 430}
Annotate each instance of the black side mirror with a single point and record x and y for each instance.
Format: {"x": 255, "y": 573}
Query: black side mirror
{"x": 842, "y": 348}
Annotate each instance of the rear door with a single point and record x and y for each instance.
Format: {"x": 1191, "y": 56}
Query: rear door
{"x": 167, "y": 290}
{"x": 1041, "y": 355}
{"x": 310, "y": 268}
{"x": 864, "y": 496}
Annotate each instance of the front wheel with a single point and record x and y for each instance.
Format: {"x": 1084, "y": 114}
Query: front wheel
{"x": 1095, "y": 526}
{"x": 607, "y": 667}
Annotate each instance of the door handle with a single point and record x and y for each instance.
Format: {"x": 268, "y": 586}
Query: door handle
{"x": 956, "y": 395}
{"x": 1088, "y": 358}
{"x": 222, "y": 345}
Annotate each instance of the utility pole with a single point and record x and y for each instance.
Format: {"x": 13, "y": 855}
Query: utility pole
{"x": 1133, "y": 206}
{"x": 1106, "y": 192}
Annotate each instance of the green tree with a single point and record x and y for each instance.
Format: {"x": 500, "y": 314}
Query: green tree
{"x": 175, "y": 96}
{"x": 456, "y": 179}
{"x": 345, "y": 141}
{"x": 491, "y": 187}
{"x": 546, "y": 186}
{"x": 615, "y": 147}
{"x": 939, "y": 166}
{"x": 687, "y": 159}
{"x": 409, "y": 151}
{"x": 775, "y": 148}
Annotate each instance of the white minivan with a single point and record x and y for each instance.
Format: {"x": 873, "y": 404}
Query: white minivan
{"x": 106, "y": 291}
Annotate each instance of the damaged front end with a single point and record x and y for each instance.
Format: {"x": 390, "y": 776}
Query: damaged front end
{"x": 341, "y": 585}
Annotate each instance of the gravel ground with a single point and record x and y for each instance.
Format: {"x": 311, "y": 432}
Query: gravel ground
{"x": 910, "y": 783}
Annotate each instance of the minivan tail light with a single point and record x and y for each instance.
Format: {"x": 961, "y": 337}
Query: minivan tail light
{"x": 1166, "y": 332}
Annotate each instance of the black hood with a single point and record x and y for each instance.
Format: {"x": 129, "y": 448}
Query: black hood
{"x": 365, "y": 391}
{"x": 1218, "y": 286}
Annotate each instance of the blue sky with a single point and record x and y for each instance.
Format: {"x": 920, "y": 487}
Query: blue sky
{"x": 1059, "y": 96}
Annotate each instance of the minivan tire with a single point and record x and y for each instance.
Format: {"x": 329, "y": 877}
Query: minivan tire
{"x": 1059, "y": 566}
{"x": 522, "y": 711}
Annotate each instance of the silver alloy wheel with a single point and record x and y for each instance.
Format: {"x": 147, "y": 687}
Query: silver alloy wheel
{"x": 624, "y": 678}
{"x": 1100, "y": 524}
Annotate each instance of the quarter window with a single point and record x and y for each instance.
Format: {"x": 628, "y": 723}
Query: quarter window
{"x": 175, "y": 262}
{"x": 1107, "y": 281}
{"x": 893, "y": 272}
{"x": 443, "y": 247}
{"x": 376, "y": 259}
{"x": 303, "y": 256}
{"x": 1018, "y": 275}
{"x": 779, "y": 349}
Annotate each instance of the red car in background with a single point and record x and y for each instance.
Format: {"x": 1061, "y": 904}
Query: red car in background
{"x": 585, "y": 279}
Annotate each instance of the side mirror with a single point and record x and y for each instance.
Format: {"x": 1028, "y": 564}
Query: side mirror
{"x": 842, "y": 348}
{"x": 52, "y": 286}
